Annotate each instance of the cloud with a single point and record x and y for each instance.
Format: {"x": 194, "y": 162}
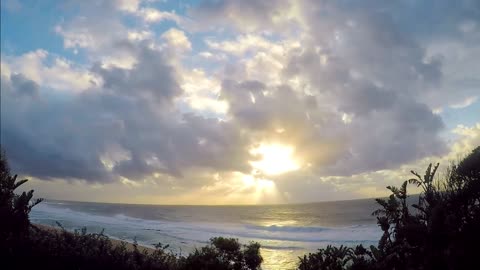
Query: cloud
{"x": 145, "y": 13}
{"x": 97, "y": 25}
{"x": 372, "y": 184}
{"x": 350, "y": 87}
{"x": 245, "y": 16}
{"x": 244, "y": 44}
{"x": 50, "y": 71}
{"x": 144, "y": 78}
{"x": 125, "y": 128}
{"x": 467, "y": 102}
{"x": 177, "y": 39}
{"x": 202, "y": 91}
{"x": 23, "y": 86}
{"x": 151, "y": 15}
{"x": 356, "y": 63}
{"x": 127, "y": 5}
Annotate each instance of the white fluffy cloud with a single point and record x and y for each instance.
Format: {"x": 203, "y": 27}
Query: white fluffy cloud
{"x": 50, "y": 71}
{"x": 177, "y": 39}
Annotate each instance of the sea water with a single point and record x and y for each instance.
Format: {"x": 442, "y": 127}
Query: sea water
{"x": 285, "y": 232}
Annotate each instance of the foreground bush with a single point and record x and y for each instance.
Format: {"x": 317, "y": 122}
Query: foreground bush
{"x": 223, "y": 253}
{"x": 14, "y": 209}
{"x": 441, "y": 231}
{"x": 50, "y": 249}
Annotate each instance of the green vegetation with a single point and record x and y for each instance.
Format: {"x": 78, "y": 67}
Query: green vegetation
{"x": 441, "y": 231}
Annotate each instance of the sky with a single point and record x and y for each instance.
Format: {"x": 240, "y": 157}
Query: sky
{"x": 235, "y": 102}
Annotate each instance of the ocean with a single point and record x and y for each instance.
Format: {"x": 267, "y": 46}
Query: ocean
{"x": 285, "y": 232}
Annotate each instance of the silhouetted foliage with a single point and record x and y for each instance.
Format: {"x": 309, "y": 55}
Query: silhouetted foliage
{"x": 225, "y": 252}
{"x": 14, "y": 209}
{"x": 441, "y": 231}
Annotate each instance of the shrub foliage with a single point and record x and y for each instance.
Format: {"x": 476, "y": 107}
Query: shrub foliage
{"x": 14, "y": 209}
{"x": 440, "y": 231}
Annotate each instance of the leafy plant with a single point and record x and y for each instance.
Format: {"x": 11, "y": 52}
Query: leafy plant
{"x": 225, "y": 254}
{"x": 440, "y": 231}
{"x": 14, "y": 209}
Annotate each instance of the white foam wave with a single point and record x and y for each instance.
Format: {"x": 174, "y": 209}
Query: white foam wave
{"x": 149, "y": 232}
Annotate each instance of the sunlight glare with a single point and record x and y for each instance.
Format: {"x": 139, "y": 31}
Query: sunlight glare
{"x": 275, "y": 159}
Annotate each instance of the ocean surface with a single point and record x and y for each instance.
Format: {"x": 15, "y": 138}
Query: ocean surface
{"x": 284, "y": 231}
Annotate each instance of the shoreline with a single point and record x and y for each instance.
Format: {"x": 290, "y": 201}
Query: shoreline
{"x": 115, "y": 242}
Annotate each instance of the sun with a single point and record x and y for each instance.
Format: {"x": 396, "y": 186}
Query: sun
{"x": 275, "y": 159}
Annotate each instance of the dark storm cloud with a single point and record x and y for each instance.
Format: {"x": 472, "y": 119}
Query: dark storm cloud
{"x": 385, "y": 139}
{"x": 174, "y": 145}
{"x": 151, "y": 76}
{"x": 283, "y": 108}
{"x": 68, "y": 135}
{"x": 53, "y": 140}
{"x": 41, "y": 137}
{"x": 23, "y": 86}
